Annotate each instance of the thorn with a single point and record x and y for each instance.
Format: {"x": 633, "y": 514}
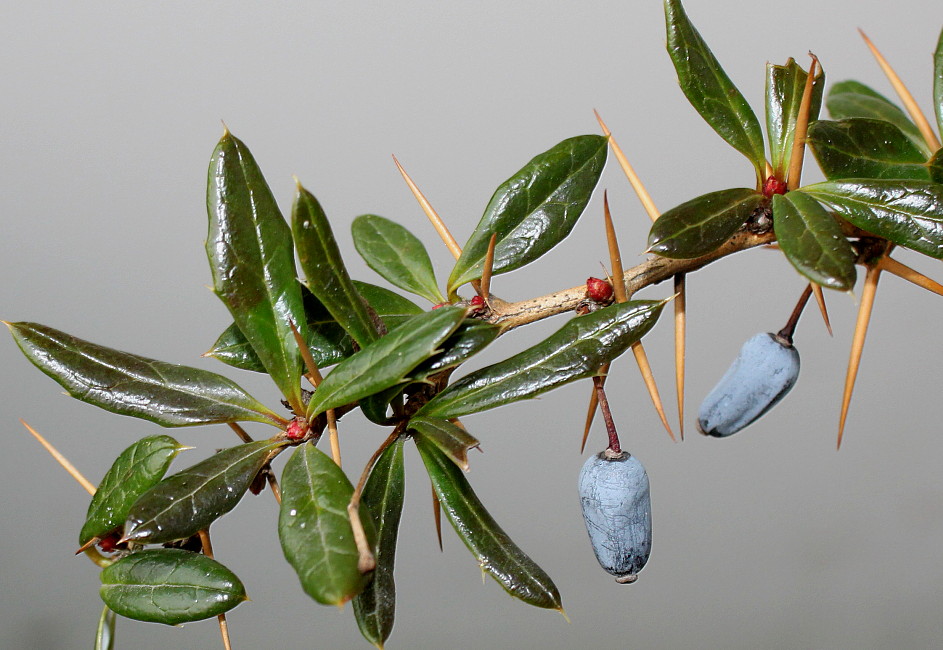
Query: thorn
{"x": 680, "y": 330}
{"x": 905, "y": 97}
{"x": 221, "y": 618}
{"x": 801, "y": 128}
{"x": 857, "y": 343}
{"x": 433, "y": 216}
{"x": 366, "y": 562}
{"x": 615, "y": 257}
{"x": 593, "y": 404}
{"x": 563, "y": 614}
{"x": 87, "y": 545}
{"x": 437, "y": 515}
{"x": 484, "y": 286}
{"x": 62, "y": 460}
{"x": 643, "y": 196}
{"x": 820, "y": 301}
{"x": 225, "y": 128}
{"x": 642, "y": 359}
{"x": 909, "y": 274}
{"x": 243, "y": 435}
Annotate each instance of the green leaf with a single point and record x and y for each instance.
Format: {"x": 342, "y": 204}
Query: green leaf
{"x": 189, "y": 501}
{"x": 710, "y": 90}
{"x": 471, "y": 337}
{"x": 327, "y": 341}
{"x": 784, "y": 87}
{"x": 165, "y": 393}
{"x": 386, "y": 362}
{"x": 493, "y": 549}
{"x": 251, "y": 256}
{"x": 575, "y": 351}
{"x": 325, "y": 272}
{"x": 375, "y": 606}
{"x": 397, "y": 255}
{"x": 853, "y": 99}
{"x": 314, "y": 527}
{"x": 813, "y": 241}
{"x": 105, "y": 633}
{"x": 136, "y": 470}
{"x": 908, "y": 213}
{"x": 866, "y": 148}
{"x": 535, "y": 209}
{"x": 702, "y": 224}
{"x": 376, "y": 407}
{"x": 938, "y": 83}
{"x": 452, "y": 440}
{"x": 170, "y": 586}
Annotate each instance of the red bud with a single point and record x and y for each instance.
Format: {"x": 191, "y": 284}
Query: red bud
{"x": 598, "y": 290}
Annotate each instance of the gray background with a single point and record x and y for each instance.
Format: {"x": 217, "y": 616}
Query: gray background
{"x": 768, "y": 539}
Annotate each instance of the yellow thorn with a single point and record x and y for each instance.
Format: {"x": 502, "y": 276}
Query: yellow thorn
{"x": 615, "y": 257}
{"x": 644, "y": 197}
{"x": 563, "y": 613}
{"x": 857, "y": 342}
{"x": 680, "y": 329}
{"x": 909, "y": 274}
{"x": 801, "y": 128}
{"x": 820, "y": 301}
{"x": 433, "y": 216}
{"x": 905, "y": 97}
{"x": 484, "y": 285}
{"x": 642, "y": 359}
{"x": 221, "y": 618}
{"x": 62, "y": 460}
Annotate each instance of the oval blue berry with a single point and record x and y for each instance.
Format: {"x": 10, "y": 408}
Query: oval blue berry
{"x": 764, "y": 371}
{"x": 617, "y": 510}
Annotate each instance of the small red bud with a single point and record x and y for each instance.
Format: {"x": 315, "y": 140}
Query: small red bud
{"x": 598, "y": 290}
{"x": 297, "y": 429}
{"x": 477, "y": 302}
{"x": 109, "y": 542}
{"x": 772, "y": 186}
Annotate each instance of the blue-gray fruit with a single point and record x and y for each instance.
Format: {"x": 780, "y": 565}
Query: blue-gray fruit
{"x": 617, "y": 509}
{"x": 764, "y": 371}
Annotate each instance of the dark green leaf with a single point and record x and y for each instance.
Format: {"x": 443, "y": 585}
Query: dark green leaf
{"x": 376, "y": 407}
{"x": 938, "y": 83}
{"x": 452, "y": 440}
{"x": 251, "y": 256}
{"x": 189, "y": 501}
{"x": 375, "y": 607}
{"x": 170, "y": 586}
{"x": 575, "y": 351}
{"x": 325, "y": 272}
{"x": 710, "y": 90}
{"x": 136, "y": 470}
{"x": 397, "y": 255}
{"x": 315, "y": 530}
{"x": 493, "y": 549}
{"x": 165, "y": 393}
{"x": 535, "y": 209}
{"x": 327, "y": 341}
{"x": 812, "y": 240}
{"x": 105, "y": 633}
{"x": 852, "y": 99}
{"x": 471, "y": 337}
{"x": 701, "y": 225}
{"x": 909, "y": 213}
{"x": 784, "y": 87}
{"x": 386, "y": 362}
{"x": 866, "y": 148}
{"x": 935, "y": 167}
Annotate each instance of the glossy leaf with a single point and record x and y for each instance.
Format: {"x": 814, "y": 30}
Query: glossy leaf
{"x": 324, "y": 269}
{"x": 165, "y": 393}
{"x": 251, "y": 256}
{"x": 702, "y": 224}
{"x": 376, "y": 407}
{"x": 396, "y": 254}
{"x": 315, "y": 530}
{"x": 909, "y": 213}
{"x": 575, "y": 351}
{"x": 853, "y": 99}
{"x": 813, "y": 241}
{"x": 493, "y": 549}
{"x": 784, "y": 88}
{"x": 189, "y": 501}
{"x": 535, "y": 209}
{"x": 327, "y": 341}
{"x": 866, "y": 148}
{"x": 105, "y": 633}
{"x": 136, "y": 470}
{"x": 452, "y": 440}
{"x": 375, "y": 606}
{"x": 938, "y": 83}
{"x": 170, "y": 586}
{"x": 471, "y": 337}
{"x": 386, "y": 362}
{"x": 710, "y": 90}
